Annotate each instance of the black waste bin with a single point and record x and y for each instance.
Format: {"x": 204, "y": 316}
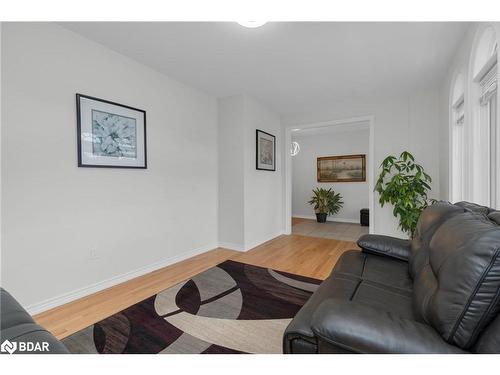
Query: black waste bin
{"x": 364, "y": 217}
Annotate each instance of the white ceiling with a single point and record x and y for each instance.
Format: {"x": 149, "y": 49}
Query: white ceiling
{"x": 288, "y": 66}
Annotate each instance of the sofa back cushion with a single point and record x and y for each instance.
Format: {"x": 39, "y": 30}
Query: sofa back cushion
{"x": 430, "y": 220}
{"x": 494, "y": 216}
{"x": 474, "y": 207}
{"x": 456, "y": 272}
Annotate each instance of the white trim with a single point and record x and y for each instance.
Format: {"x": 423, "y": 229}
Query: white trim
{"x": 460, "y": 101}
{"x": 232, "y": 246}
{"x": 371, "y": 177}
{"x": 477, "y": 142}
{"x": 287, "y": 209}
{"x": 341, "y": 128}
{"x": 456, "y": 117}
{"x": 243, "y": 248}
{"x": 62, "y": 299}
{"x": 262, "y": 240}
{"x": 329, "y": 218}
{"x": 486, "y": 68}
{"x": 453, "y": 105}
{"x": 488, "y": 85}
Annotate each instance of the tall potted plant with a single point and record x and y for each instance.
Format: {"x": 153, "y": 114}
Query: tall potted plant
{"x": 404, "y": 184}
{"x": 326, "y": 202}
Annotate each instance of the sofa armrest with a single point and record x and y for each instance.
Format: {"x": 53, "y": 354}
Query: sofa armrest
{"x": 17, "y": 325}
{"x": 385, "y": 245}
{"x": 360, "y": 328}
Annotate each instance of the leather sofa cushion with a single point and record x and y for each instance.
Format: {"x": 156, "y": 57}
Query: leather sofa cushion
{"x": 17, "y": 325}
{"x": 325, "y": 347}
{"x": 388, "y": 272}
{"x": 476, "y": 208}
{"x": 456, "y": 289}
{"x": 494, "y": 216}
{"x": 430, "y": 220}
{"x": 340, "y": 287}
{"x": 360, "y": 328}
{"x": 365, "y": 278}
{"x": 12, "y": 313}
{"x": 489, "y": 341}
{"x": 385, "y": 245}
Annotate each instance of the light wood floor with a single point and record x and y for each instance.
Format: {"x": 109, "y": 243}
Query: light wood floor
{"x": 331, "y": 229}
{"x": 307, "y": 256}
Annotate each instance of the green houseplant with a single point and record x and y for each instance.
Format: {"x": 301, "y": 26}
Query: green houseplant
{"x": 404, "y": 184}
{"x": 326, "y": 202}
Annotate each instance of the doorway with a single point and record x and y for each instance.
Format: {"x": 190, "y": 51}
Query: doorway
{"x": 309, "y": 142}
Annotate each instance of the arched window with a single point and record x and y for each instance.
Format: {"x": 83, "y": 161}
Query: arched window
{"x": 457, "y": 129}
{"x": 485, "y": 131}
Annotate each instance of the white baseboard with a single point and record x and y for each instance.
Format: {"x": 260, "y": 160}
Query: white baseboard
{"x": 262, "y": 240}
{"x": 337, "y": 219}
{"x": 50, "y": 303}
{"x": 232, "y": 246}
{"x": 62, "y": 299}
{"x": 251, "y": 245}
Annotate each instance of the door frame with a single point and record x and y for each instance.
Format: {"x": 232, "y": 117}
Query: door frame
{"x": 287, "y": 212}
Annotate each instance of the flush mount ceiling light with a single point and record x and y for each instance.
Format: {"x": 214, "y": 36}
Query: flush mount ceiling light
{"x": 252, "y": 24}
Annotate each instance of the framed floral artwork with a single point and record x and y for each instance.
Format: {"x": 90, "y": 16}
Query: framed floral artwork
{"x": 265, "y": 151}
{"x": 110, "y": 135}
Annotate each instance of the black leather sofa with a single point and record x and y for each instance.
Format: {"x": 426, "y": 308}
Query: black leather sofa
{"x": 438, "y": 293}
{"x": 18, "y": 327}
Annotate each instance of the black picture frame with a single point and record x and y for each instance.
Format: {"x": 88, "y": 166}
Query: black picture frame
{"x": 257, "y": 165}
{"x": 79, "y": 133}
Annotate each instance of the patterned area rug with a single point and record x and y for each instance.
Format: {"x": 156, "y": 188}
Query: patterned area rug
{"x": 231, "y": 308}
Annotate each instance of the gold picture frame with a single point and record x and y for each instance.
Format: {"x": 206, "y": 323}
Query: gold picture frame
{"x": 345, "y": 168}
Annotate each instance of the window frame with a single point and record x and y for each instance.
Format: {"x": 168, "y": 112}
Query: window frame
{"x": 482, "y": 136}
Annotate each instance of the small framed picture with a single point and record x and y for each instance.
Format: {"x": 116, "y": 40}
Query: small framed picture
{"x": 265, "y": 151}
{"x": 110, "y": 135}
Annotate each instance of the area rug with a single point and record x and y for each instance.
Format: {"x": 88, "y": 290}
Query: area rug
{"x": 231, "y": 308}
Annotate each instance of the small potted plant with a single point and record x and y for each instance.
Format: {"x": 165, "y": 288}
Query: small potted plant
{"x": 326, "y": 202}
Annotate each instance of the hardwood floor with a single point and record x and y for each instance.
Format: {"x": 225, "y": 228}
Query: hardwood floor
{"x": 330, "y": 229}
{"x": 302, "y": 255}
{"x": 297, "y": 220}
{"x": 307, "y": 256}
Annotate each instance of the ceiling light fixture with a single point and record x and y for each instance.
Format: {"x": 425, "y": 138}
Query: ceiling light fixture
{"x": 252, "y": 24}
{"x": 295, "y": 148}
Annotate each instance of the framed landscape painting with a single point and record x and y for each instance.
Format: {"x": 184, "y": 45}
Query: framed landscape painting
{"x": 265, "y": 151}
{"x": 346, "y": 168}
{"x": 110, "y": 135}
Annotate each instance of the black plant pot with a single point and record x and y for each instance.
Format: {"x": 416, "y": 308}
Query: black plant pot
{"x": 321, "y": 218}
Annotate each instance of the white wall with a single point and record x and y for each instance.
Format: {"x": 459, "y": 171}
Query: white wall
{"x": 304, "y": 172}
{"x": 401, "y": 123}
{"x": 461, "y": 63}
{"x": 260, "y": 217}
{"x": 55, "y": 214}
{"x": 231, "y": 172}
{"x": 263, "y": 189}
